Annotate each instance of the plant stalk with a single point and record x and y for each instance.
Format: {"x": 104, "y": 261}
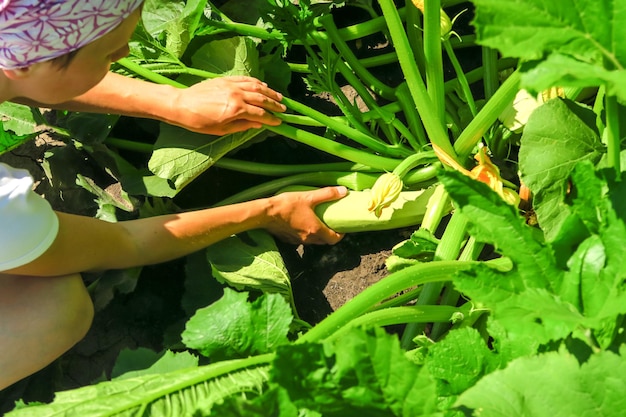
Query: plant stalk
{"x": 398, "y": 281}
{"x": 424, "y": 105}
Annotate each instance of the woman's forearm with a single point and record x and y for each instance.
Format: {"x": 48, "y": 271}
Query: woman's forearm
{"x": 117, "y": 94}
{"x": 87, "y": 244}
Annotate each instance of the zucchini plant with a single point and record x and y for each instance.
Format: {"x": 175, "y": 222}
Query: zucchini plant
{"x": 536, "y": 328}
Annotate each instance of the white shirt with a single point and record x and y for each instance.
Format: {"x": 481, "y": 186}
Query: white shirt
{"x": 28, "y": 225}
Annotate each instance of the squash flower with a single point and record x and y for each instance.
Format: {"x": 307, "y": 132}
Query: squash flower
{"x": 486, "y": 172}
{"x": 385, "y": 191}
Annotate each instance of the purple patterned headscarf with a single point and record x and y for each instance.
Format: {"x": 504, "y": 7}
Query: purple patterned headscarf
{"x": 34, "y": 31}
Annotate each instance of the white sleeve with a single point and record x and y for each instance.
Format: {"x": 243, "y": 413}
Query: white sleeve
{"x": 28, "y": 225}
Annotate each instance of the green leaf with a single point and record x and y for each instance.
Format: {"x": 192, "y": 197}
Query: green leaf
{"x": 459, "y": 360}
{"x": 233, "y": 327}
{"x": 9, "y": 140}
{"x": 186, "y": 392}
{"x": 274, "y": 402}
{"x": 364, "y": 372}
{"x": 582, "y": 40}
{"x": 494, "y": 221}
{"x": 525, "y": 300}
{"x": 19, "y": 119}
{"x": 552, "y": 385}
{"x": 231, "y": 56}
{"x": 90, "y": 128}
{"x": 180, "y": 155}
{"x": 250, "y": 260}
{"x": 176, "y": 21}
{"x": 558, "y": 135}
{"x": 143, "y": 361}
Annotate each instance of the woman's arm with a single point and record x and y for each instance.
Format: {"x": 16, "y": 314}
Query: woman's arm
{"x": 87, "y": 244}
{"x": 218, "y": 106}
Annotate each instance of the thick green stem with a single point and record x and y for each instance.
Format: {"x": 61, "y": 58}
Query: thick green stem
{"x": 353, "y": 62}
{"x": 415, "y": 36}
{"x": 424, "y": 105}
{"x": 612, "y": 132}
{"x": 398, "y": 281}
{"x": 129, "y": 145}
{"x": 490, "y": 77}
{"x": 148, "y": 74}
{"x": 351, "y": 180}
{"x": 474, "y": 131}
{"x": 351, "y": 133}
{"x": 423, "y": 175}
{"x": 337, "y": 149}
{"x": 412, "y": 161}
{"x": 448, "y": 250}
{"x": 450, "y": 295}
{"x": 370, "y": 27}
{"x": 280, "y": 170}
{"x": 400, "y": 315}
{"x": 439, "y": 205}
{"x": 243, "y": 29}
{"x": 403, "y": 94}
{"x": 432, "y": 54}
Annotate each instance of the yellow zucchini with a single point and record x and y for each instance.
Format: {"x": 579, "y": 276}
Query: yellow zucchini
{"x": 350, "y": 214}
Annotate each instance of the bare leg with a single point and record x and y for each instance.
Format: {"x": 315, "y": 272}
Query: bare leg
{"x": 40, "y": 319}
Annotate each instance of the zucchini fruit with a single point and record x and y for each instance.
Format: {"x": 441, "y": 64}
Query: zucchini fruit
{"x": 350, "y": 214}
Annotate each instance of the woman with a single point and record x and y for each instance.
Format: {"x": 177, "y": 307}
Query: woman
{"x": 57, "y": 53}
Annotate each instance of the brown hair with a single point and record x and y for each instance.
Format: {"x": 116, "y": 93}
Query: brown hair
{"x": 63, "y": 61}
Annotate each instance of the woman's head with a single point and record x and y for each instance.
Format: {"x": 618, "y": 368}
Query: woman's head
{"x": 38, "y": 36}
{"x": 33, "y": 31}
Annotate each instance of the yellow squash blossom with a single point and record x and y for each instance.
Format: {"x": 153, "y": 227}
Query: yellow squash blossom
{"x": 486, "y": 172}
{"x": 385, "y": 191}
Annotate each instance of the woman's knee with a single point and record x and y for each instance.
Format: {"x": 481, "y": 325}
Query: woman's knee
{"x": 74, "y": 312}
{"x": 40, "y": 319}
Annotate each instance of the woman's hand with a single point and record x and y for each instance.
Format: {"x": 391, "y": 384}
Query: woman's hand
{"x": 294, "y": 218}
{"x": 225, "y": 105}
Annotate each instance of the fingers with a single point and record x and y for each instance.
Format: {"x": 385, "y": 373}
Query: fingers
{"x": 327, "y": 194}
{"x": 324, "y": 235}
{"x": 256, "y": 92}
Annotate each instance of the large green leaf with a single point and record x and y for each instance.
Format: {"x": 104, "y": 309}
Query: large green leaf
{"x": 250, "y": 260}
{"x": 231, "y": 327}
{"x": 20, "y": 119}
{"x": 9, "y": 140}
{"x": 582, "y": 40}
{"x": 525, "y": 300}
{"x": 182, "y": 393}
{"x": 552, "y": 385}
{"x": 558, "y": 135}
{"x": 231, "y": 56}
{"x": 180, "y": 155}
{"x": 18, "y": 124}
{"x": 175, "y": 21}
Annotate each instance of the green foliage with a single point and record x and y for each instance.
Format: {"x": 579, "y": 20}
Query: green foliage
{"x": 552, "y": 384}
{"x": 181, "y": 156}
{"x": 564, "y": 43}
{"x": 248, "y": 261}
{"x": 536, "y": 330}
{"x": 17, "y": 125}
{"x": 558, "y": 135}
{"x": 231, "y": 327}
{"x": 363, "y": 372}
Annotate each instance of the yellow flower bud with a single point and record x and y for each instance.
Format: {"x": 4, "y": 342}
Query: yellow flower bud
{"x": 445, "y": 22}
{"x": 385, "y": 191}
